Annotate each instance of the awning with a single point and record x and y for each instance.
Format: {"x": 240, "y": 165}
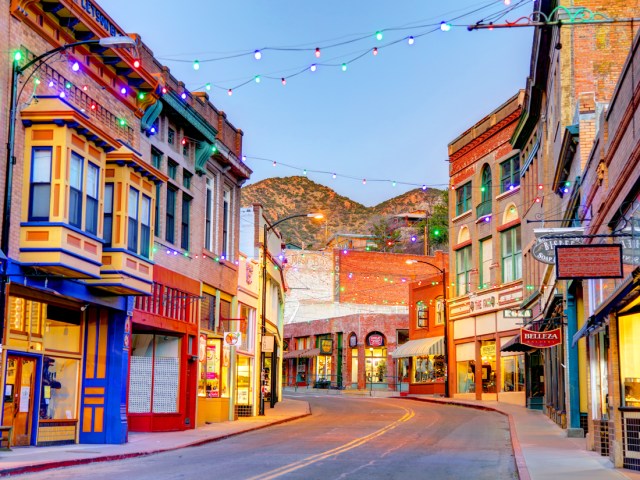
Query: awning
{"x": 514, "y": 345}
{"x": 590, "y": 325}
{"x": 421, "y": 347}
{"x": 304, "y": 353}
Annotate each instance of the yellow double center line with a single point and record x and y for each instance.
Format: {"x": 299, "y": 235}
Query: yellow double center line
{"x": 335, "y": 451}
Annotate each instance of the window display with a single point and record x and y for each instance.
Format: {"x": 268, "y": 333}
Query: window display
{"x": 630, "y": 359}
{"x": 488, "y": 354}
{"x": 209, "y": 384}
{"x": 429, "y": 368}
{"x": 512, "y": 368}
{"x": 466, "y": 376}
{"x": 59, "y": 388}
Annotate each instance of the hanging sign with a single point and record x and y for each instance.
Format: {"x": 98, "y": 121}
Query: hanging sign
{"x": 326, "y": 346}
{"x": 547, "y": 239}
{"x": 232, "y": 339}
{"x": 267, "y": 343}
{"x": 547, "y": 339}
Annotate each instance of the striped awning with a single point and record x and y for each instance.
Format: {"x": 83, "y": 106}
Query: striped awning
{"x": 420, "y": 347}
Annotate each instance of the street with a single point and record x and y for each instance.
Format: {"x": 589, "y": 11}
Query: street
{"x": 345, "y": 438}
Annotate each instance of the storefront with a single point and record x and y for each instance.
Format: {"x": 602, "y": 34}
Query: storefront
{"x": 421, "y": 362}
{"x": 57, "y": 357}
{"x": 164, "y": 352}
{"x": 376, "y": 362}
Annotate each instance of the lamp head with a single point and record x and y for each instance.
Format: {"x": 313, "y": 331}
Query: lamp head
{"x": 117, "y": 42}
{"x": 411, "y": 262}
{"x": 317, "y": 216}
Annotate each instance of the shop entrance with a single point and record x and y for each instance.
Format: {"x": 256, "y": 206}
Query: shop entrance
{"x": 19, "y": 396}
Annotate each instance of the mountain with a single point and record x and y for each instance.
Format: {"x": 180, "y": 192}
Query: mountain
{"x": 282, "y": 196}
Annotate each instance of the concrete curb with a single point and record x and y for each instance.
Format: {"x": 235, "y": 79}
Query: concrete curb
{"x": 123, "y": 456}
{"x": 521, "y": 464}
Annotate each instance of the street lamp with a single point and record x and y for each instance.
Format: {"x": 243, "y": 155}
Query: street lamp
{"x": 371, "y": 373}
{"x": 120, "y": 41}
{"x": 268, "y": 228}
{"x": 444, "y": 317}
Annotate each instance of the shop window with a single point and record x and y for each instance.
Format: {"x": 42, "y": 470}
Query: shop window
{"x": 376, "y": 365}
{"x": 244, "y": 389}
{"x": 510, "y": 174}
{"x": 354, "y": 366}
{"x": 26, "y": 323}
{"x": 248, "y": 314}
{"x": 463, "y": 198}
{"x": 323, "y": 369}
{"x": 512, "y": 368}
{"x": 209, "y": 384}
{"x": 428, "y": 369}
{"x": 630, "y": 359}
{"x": 75, "y": 190}
{"x": 466, "y": 373}
{"x": 59, "y": 392}
{"x": 488, "y": 372}
{"x": 463, "y": 270}
{"x": 93, "y": 189}
{"x": 154, "y": 374}
{"x": 511, "y": 254}
{"x": 62, "y": 329}
{"x": 40, "y": 195}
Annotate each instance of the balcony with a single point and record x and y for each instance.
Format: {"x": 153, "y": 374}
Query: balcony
{"x": 483, "y": 208}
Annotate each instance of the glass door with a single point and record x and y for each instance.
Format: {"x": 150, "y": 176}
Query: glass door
{"x": 19, "y": 396}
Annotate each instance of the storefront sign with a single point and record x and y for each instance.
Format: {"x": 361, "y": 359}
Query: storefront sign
{"x": 482, "y": 303}
{"x": 353, "y": 341}
{"x": 232, "y": 339}
{"x": 517, "y": 313}
{"x": 547, "y": 239}
{"x": 589, "y": 261}
{"x": 488, "y": 350}
{"x": 326, "y": 346}
{"x": 100, "y": 17}
{"x": 267, "y": 343}
{"x": 546, "y": 339}
{"x": 376, "y": 340}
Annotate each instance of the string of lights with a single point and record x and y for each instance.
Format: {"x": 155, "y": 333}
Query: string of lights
{"x": 343, "y": 60}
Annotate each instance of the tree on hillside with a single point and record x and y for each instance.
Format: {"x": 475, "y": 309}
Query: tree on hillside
{"x": 436, "y": 225}
{"x": 386, "y": 237}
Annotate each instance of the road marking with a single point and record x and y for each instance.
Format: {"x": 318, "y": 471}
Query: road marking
{"x": 278, "y": 472}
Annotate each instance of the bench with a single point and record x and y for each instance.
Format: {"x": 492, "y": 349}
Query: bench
{"x": 8, "y": 439}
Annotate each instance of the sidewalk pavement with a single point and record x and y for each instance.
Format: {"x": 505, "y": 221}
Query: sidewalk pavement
{"x": 542, "y": 450}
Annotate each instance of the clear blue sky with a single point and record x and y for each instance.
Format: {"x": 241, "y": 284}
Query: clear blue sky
{"x": 388, "y": 117}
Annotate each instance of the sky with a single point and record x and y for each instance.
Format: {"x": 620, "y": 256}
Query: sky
{"x": 387, "y": 119}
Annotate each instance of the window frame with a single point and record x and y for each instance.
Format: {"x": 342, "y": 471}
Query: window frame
{"x": 107, "y": 214}
{"x": 185, "y": 229}
{"x": 511, "y": 237}
{"x": 92, "y": 209}
{"x": 464, "y": 266}
{"x": 145, "y": 226}
{"x": 510, "y": 174}
{"x": 36, "y": 186}
{"x": 76, "y": 190}
{"x": 463, "y": 198}
{"x": 133, "y": 217}
{"x": 170, "y": 214}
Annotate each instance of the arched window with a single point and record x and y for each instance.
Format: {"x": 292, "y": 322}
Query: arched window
{"x": 486, "y": 193}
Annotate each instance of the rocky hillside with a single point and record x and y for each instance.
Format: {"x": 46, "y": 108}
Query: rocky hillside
{"x": 282, "y": 196}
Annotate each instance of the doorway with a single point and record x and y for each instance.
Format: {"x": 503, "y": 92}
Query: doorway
{"x": 19, "y": 397}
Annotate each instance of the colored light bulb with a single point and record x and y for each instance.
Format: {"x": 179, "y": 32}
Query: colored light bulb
{"x": 375, "y": 50}
{"x": 378, "y": 35}
{"x": 123, "y": 91}
{"x": 229, "y": 92}
{"x": 257, "y": 78}
{"x": 257, "y": 54}
{"x": 183, "y": 95}
{"x": 136, "y": 63}
{"x": 410, "y": 40}
{"x": 313, "y": 67}
{"x": 17, "y": 56}
{"x": 196, "y": 65}
{"x": 208, "y": 87}
{"x": 344, "y": 67}
{"x": 317, "y": 53}
{"x": 445, "y": 27}
{"x": 75, "y": 67}
{"x": 284, "y": 81}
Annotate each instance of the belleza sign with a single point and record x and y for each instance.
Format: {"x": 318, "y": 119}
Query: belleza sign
{"x": 547, "y": 339}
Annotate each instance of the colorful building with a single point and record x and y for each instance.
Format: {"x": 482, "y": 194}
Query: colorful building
{"x": 486, "y": 259}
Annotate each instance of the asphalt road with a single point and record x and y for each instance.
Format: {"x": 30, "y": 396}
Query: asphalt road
{"x": 344, "y": 438}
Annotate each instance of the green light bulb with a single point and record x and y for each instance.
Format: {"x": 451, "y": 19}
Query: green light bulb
{"x": 378, "y": 35}
{"x": 17, "y": 56}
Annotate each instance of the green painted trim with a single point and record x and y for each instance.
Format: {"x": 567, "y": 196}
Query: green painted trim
{"x": 191, "y": 116}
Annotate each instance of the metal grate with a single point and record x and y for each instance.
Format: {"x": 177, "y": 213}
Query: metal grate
{"x": 244, "y": 410}
{"x": 631, "y": 423}
{"x": 601, "y": 437}
{"x": 584, "y": 423}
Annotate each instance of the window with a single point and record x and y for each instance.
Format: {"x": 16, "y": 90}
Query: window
{"x": 93, "y": 188}
{"x": 156, "y": 227}
{"x": 440, "y": 308}
{"x": 186, "y": 179}
{"x": 509, "y": 174}
{"x": 171, "y": 136}
{"x": 486, "y": 184}
{"x": 145, "y": 226}
{"x": 486, "y": 259}
{"x": 107, "y": 232}
{"x": 208, "y": 217}
{"x": 40, "y": 184}
{"x": 463, "y": 268}
{"x": 630, "y": 359}
{"x": 186, "y": 214}
{"x": 463, "y": 198}
{"x": 428, "y": 368}
{"x": 486, "y": 193}
{"x": 156, "y": 158}
{"x": 75, "y": 190}
{"x": 512, "y": 368}
{"x": 185, "y": 149}
{"x": 172, "y": 169}
{"x": 511, "y": 255}
{"x": 226, "y": 224}
{"x": 132, "y": 235}
{"x": 422, "y": 314}
{"x": 170, "y": 215}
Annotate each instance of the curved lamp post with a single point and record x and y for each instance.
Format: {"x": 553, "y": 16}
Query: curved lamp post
{"x": 120, "y": 41}
{"x": 263, "y": 322}
{"x": 442, "y": 272}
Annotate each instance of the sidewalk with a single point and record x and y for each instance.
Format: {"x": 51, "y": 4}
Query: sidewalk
{"x": 542, "y": 450}
{"x": 33, "y": 459}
